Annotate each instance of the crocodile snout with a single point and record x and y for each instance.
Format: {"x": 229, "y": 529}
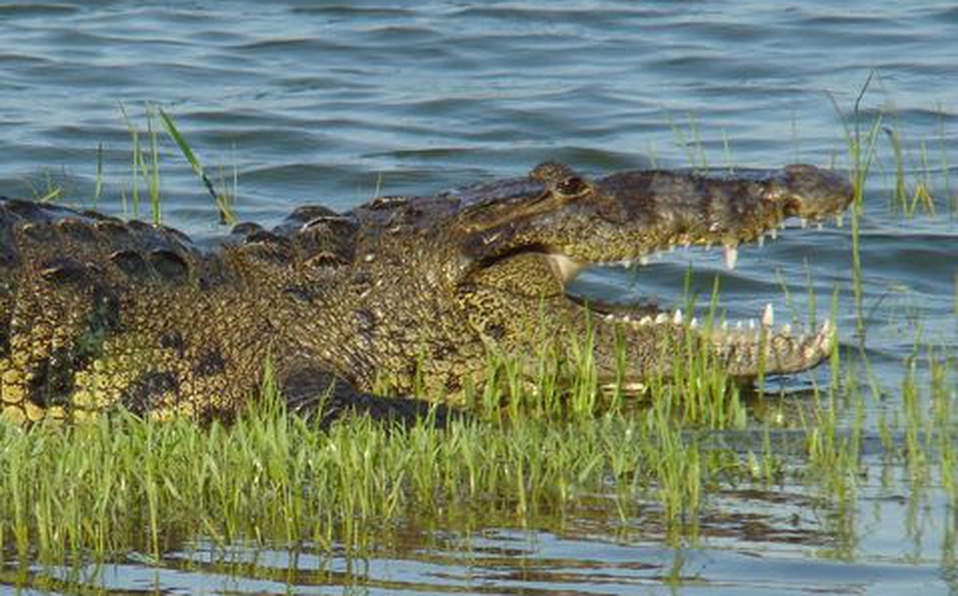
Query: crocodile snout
{"x": 814, "y": 193}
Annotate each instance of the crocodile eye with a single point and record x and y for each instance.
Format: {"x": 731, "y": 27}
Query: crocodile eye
{"x": 560, "y": 180}
{"x": 550, "y": 171}
{"x": 571, "y": 187}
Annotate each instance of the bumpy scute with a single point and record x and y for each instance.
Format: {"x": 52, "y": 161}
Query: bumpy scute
{"x": 85, "y": 308}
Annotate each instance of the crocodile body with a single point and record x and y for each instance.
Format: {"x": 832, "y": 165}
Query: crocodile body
{"x": 96, "y": 312}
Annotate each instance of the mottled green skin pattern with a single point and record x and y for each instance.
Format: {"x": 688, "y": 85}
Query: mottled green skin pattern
{"x": 96, "y": 312}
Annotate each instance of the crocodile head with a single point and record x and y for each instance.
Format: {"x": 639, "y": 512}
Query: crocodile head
{"x": 524, "y": 243}
{"x": 437, "y": 281}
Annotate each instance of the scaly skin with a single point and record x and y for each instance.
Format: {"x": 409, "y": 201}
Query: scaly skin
{"x": 96, "y": 313}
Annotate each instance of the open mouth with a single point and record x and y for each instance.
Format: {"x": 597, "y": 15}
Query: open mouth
{"x": 625, "y": 219}
{"x": 749, "y": 346}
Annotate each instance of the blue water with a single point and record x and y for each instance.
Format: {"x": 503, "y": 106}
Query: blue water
{"x": 337, "y": 102}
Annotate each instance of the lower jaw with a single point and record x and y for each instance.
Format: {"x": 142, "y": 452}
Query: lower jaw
{"x": 742, "y": 349}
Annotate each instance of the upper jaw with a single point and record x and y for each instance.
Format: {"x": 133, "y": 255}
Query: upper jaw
{"x": 626, "y": 217}
{"x": 667, "y": 209}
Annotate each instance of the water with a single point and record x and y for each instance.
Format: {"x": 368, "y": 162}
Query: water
{"x": 337, "y": 102}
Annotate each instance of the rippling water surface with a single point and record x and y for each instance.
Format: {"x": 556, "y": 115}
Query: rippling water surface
{"x": 336, "y": 102}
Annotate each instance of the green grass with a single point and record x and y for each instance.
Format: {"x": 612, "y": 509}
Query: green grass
{"x": 912, "y": 195}
{"x": 145, "y": 163}
{"x": 861, "y": 148}
{"x": 127, "y": 484}
{"x": 223, "y": 199}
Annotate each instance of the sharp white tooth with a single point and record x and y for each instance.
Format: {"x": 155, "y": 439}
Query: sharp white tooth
{"x": 840, "y": 220}
{"x": 751, "y": 324}
{"x": 804, "y": 222}
{"x": 761, "y": 240}
{"x": 671, "y": 248}
{"x": 661, "y": 318}
{"x": 645, "y": 320}
{"x": 773, "y": 233}
{"x": 820, "y": 226}
{"x": 731, "y": 256}
{"x": 564, "y": 268}
{"x": 694, "y": 323}
{"x": 644, "y": 260}
{"x": 628, "y": 263}
{"x": 677, "y": 319}
{"x": 768, "y": 318}
{"x": 782, "y": 225}
{"x": 738, "y": 325}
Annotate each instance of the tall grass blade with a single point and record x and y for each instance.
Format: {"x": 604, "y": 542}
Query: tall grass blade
{"x": 222, "y": 201}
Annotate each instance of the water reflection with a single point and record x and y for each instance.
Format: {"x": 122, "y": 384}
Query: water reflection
{"x": 782, "y": 539}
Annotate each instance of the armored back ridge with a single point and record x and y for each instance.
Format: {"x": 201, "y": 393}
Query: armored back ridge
{"x": 98, "y": 313}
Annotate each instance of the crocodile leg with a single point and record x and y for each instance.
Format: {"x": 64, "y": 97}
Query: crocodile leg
{"x": 315, "y": 393}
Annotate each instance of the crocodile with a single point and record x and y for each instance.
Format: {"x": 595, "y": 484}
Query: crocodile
{"x": 99, "y": 313}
